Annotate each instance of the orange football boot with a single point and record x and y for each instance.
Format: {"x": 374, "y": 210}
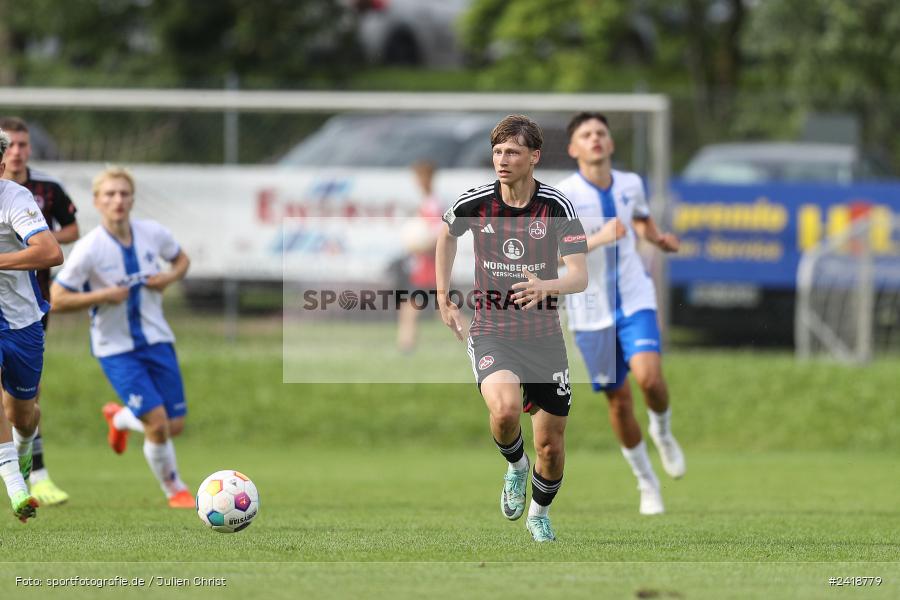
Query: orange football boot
{"x": 117, "y": 438}
{"x": 182, "y": 499}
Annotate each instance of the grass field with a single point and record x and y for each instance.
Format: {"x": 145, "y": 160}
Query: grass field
{"x": 391, "y": 490}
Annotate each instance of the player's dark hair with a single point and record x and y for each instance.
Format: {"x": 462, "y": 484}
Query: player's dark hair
{"x": 583, "y": 116}
{"x": 520, "y": 129}
{"x": 13, "y": 124}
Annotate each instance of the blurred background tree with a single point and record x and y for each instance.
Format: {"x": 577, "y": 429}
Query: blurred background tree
{"x": 554, "y": 45}
{"x": 271, "y": 43}
{"x": 825, "y": 56}
{"x": 734, "y": 69}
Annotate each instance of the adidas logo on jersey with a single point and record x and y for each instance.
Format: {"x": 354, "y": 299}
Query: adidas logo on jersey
{"x": 488, "y": 229}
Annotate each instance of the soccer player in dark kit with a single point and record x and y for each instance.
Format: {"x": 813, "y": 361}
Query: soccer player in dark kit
{"x": 521, "y": 227}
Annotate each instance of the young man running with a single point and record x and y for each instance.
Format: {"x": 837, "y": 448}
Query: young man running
{"x": 26, "y": 244}
{"x": 614, "y": 320}
{"x": 115, "y": 272}
{"x": 59, "y": 212}
{"x": 520, "y": 227}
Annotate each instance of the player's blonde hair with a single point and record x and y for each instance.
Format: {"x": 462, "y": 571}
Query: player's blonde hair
{"x": 112, "y": 172}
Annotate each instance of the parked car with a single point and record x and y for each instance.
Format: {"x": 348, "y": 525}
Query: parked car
{"x": 382, "y": 140}
{"x": 765, "y": 162}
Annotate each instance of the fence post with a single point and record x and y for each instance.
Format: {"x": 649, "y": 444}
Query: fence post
{"x": 865, "y": 294}
{"x": 231, "y": 296}
{"x": 231, "y": 126}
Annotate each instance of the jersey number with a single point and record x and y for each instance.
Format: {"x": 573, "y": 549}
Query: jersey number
{"x": 562, "y": 378}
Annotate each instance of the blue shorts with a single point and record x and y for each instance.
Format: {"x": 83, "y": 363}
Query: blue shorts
{"x": 606, "y": 352}
{"x": 146, "y": 378}
{"x": 22, "y": 360}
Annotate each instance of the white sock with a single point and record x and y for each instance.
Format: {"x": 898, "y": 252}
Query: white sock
{"x": 22, "y": 443}
{"x": 520, "y": 464}
{"x": 660, "y": 421}
{"x": 536, "y": 510}
{"x": 125, "y": 419}
{"x": 161, "y": 458}
{"x": 38, "y": 475}
{"x": 9, "y": 469}
{"x": 639, "y": 462}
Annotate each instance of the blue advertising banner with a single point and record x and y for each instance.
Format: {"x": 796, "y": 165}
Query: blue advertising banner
{"x": 755, "y": 234}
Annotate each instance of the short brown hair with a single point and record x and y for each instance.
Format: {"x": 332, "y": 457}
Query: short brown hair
{"x": 13, "y": 124}
{"x": 582, "y": 117}
{"x": 520, "y": 129}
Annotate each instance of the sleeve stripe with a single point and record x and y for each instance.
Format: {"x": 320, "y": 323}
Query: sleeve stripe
{"x": 566, "y": 204}
{"x": 551, "y": 192}
{"x": 65, "y": 285}
{"x": 555, "y": 192}
{"x": 466, "y": 198}
{"x": 474, "y": 192}
{"x": 36, "y": 231}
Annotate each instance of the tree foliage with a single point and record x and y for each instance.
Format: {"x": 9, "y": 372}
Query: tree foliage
{"x": 557, "y": 45}
{"x": 275, "y": 43}
{"x": 830, "y": 55}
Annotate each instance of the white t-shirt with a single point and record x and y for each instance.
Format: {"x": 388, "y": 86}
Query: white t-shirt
{"x": 21, "y": 303}
{"x": 98, "y": 260}
{"x": 616, "y": 274}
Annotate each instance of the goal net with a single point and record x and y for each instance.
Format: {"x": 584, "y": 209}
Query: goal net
{"x": 848, "y": 293}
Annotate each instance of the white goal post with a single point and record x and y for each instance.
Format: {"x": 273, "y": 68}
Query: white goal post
{"x": 656, "y": 106}
{"x": 848, "y": 296}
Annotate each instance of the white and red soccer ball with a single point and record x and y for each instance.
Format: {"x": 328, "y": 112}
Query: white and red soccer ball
{"x": 227, "y": 501}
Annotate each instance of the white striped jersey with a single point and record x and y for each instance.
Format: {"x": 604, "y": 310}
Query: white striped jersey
{"x": 618, "y": 283}
{"x": 21, "y": 303}
{"x": 98, "y": 260}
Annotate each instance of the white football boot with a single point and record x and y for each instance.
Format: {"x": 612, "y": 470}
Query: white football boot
{"x": 651, "y": 499}
{"x": 669, "y": 452}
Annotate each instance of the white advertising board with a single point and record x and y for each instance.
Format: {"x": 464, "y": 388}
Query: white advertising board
{"x": 263, "y": 223}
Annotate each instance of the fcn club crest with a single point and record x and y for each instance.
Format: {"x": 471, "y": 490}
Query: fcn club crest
{"x": 485, "y": 362}
{"x": 537, "y": 230}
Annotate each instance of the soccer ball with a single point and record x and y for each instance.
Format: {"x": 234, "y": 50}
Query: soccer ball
{"x": 227, "y": 501}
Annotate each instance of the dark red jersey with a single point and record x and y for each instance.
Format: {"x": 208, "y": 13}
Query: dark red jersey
{"x": 509, "y": 240}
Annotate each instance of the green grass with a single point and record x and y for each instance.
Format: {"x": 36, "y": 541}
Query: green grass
{"x": 723, "y": 400}
{"x": 749, "y": 522}
{"x": 390, "y": 490}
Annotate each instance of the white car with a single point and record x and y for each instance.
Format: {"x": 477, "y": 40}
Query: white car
{"x": 767, "y": 162}
{"x": 397, "y": 140}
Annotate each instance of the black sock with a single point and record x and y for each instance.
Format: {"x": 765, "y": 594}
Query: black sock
{"x": 37, "y": 453}
{"x": 543, "y": 490}
{"x": 513, "y": 453}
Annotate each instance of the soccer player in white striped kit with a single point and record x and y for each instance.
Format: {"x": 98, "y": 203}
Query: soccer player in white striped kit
{"x": 115, "y": 272}
{"x": 614, "y": 319}
{"x": 26, "y": 244}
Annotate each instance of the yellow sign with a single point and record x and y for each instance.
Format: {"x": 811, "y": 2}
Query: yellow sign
{"x": 757, "y": 216}
{"x": 810, "y": 226}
